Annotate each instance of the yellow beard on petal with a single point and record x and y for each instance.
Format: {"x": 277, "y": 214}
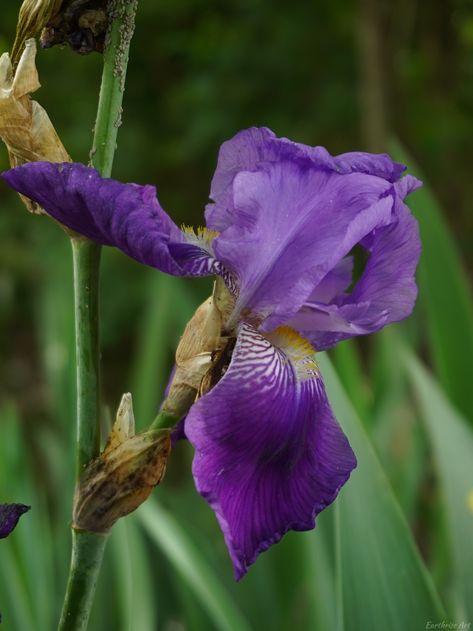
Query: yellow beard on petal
{"x": 298, "y": 349}
{"x": 200, "y": 236}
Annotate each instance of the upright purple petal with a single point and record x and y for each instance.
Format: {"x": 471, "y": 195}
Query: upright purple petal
{"x": 378, "y": 164}
{"x": 386, "y": 291}
{"x": 335, "y": 282}
{"x": 407, "y": 185}
{"x": 251, "y": 149}
{"x": 127, "y": 216}
{"x": 291, "y": 226}
{"x": 269, "y": 453}
{"x": 9, "y": 516}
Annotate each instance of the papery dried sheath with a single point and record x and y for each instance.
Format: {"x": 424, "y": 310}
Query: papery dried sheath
{"x": 202, "y": 337}
{"x": 123, "y": 476}
{"x": 25, "y": 127}
{"x": 32, "y": 18}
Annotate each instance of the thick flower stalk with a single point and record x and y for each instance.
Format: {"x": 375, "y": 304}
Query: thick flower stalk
{"x": 284, "y": 219}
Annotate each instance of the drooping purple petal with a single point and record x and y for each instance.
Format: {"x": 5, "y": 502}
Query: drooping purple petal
{"x": 269, "y": 453}
{"x": 127, "y": 216}
{"x": 291, "y": 226}
{"x": 385, "y": 293}
{"x": 251, "y": 149}
{"x": 9, "y": 516}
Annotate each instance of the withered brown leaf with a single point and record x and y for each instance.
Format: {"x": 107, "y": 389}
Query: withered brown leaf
{"x": 25, "y": 127}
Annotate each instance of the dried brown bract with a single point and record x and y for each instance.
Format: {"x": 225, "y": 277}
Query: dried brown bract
{"x": 32, "y": 17}
{"x": 200, "y": 347}
{"x": 25, "y": 127}
{"x": 123, "y": 476}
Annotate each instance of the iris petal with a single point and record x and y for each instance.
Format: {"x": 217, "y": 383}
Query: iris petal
{"x": 291, "y": 226}
{"x": 269, "y": 453}
{"x": 9, "y": 516}
{"x": 127, "y": 216}
{"x": 385, "y": 293}
{"x": 251, "y": 149}
{"x": 334, "y": 282}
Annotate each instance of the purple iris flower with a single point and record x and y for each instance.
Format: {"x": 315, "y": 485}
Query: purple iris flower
{"x": 284, "y": 218}
{"x": 9, "y": 516}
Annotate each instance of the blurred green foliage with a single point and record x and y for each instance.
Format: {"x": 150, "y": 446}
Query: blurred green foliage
{"x": 200, "y": 71}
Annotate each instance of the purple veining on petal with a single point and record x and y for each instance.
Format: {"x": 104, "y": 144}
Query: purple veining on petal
{"x": 127, "y": 216}
{"x": 195, "y": 261}
{"x": 269, "y": 453}
{"x": 9, "y": 516}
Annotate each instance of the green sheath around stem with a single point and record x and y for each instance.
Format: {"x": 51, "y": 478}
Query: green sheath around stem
{"x": 164, "y": 419}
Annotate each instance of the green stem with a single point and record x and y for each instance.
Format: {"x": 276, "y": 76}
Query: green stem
{"x": 86, "y": 257}
{"x": 88, "y": 547}
{"x": 115, "y": 61}
{"x": 87, "y": 554}
{"x": 164, "y": 419}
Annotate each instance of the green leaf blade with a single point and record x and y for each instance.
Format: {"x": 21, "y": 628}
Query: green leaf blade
{"x": 452, "y": 442}
{"x": 444, "y": 291}
{"x": 167, "y": 533}
{"x": 382, "y": 577}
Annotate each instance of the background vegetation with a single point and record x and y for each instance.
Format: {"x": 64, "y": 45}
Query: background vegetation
{"x": 348, "y": 75}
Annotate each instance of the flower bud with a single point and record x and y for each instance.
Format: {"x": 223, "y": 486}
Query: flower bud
{"x": 123, "y": 476}
{"x": 25, "y": 127}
